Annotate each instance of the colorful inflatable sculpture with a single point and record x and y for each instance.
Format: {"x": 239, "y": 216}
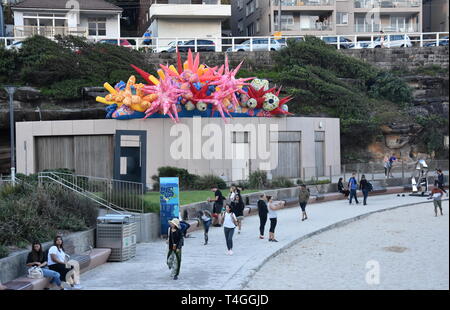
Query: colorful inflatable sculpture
{"x": 193, "y": 89}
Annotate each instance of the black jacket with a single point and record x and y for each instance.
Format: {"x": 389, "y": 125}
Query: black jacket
{"x": 237, "y": 208}
{"x": 363, "y": 185}
{"x": 441, "y": 179}
{"x": 262, "y": 207}
{"x": 175, "y": 238}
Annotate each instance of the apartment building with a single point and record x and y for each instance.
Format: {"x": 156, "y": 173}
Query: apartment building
{"x": 435, "y": 15}
{"x": 325, "y": 17}
{"x": 188, "y": 18}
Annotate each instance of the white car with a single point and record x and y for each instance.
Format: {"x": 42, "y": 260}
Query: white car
{"x": 165, "y": 48}
{"x": 258, "y": 45}
{"x": 15, "y": 46}
{"x": 393, "y": 40}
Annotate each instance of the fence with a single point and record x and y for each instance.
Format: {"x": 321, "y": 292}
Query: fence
{"x": 116, "y": 195}
{"x": 373, "y": 171}
{"x": 266, "y": 43}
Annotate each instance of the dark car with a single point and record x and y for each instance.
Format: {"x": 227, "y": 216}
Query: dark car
{"x": 202, "y": 46}
{"x": 343, "y": 42}
{"x": 442, "y": 42}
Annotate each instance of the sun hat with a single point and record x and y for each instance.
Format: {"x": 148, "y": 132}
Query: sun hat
{"x": 175, "y": 222}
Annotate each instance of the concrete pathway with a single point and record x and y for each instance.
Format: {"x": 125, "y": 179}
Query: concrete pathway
{"x": 208, "y": 267}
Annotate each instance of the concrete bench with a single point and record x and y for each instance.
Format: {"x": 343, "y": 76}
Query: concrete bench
{"x": 87, "y": 261}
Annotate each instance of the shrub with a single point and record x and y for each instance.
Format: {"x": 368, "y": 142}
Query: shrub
{"x": 282, "y": 182}
{"x": 3, "y": 251}
{"x": 205, "y": 182}
{"x": 187, "y": 180}
{"x": 29, "y": 214}
{"x": 258, "y": 179}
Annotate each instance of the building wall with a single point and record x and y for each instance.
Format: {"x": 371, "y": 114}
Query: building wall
{"x": 435, "y": 15}
{"x": 162, "y": 133}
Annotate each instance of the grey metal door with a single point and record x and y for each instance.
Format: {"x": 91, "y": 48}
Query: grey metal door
{"x": 289, "y": 160}
{"x": 320, "y": 153}
{"x": 130, "y": 161}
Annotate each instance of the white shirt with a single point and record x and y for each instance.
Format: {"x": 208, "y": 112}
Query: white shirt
{"x": 232, "y": 195}
{"x": 272, "y": 213}
{"x": 228, "y": 221}
{"x": 59, "y": 254}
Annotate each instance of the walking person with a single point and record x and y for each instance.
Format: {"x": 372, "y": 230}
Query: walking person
{"x": 303, "y": 198}
{"x": 262, "y": 212}
{"x": 232, "y": 193}
{"x": 229, "y": 224}
{"x": 175, "y": 241}
{"x": 440, "y": 181}
{"x": 218, "y": 205}
{"x": 36, "y": 259}
{"x": 391, "y": 164}
{"x": 58, "y": 260}
{"x": 342, "y": 189}
{"x": 386, "y": 165}
{"x": 237, "y": 207}
{"x": 206, "y": 218}
{"x": 272, "y": 207}
{"x": 365, "y": 187}
{"x": 436, "y": 195}
{"x": 353, "y": 186}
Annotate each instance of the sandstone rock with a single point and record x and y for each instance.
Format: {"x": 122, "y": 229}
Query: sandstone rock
{"x": 397, "y": 141}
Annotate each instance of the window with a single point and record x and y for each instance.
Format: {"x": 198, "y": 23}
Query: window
{"x": 341, "y": 18}
{"x": 240, "y": 4}
{"x": 240, "y": 137}
{"x": 241, "y": 26}
{"x": 258, "y": 26}
{"x": 287, "y": 21}
{"x": 97, "y": 26}
{"x": 251, "y": 30}
{"x": 250, "y": 8}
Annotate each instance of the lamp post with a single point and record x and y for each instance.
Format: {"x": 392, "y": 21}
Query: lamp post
{"x": 11, "y": 90}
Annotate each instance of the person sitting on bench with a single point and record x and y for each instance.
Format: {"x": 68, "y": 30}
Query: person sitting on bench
{"x": 341, "y": 188}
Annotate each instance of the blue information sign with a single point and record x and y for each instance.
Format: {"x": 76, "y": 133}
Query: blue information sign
{"x": 169, "y": 200}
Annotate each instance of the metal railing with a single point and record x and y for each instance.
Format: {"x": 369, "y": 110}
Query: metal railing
{"x": 303, "y": 3}
{"x": 386, "y": 4}
{"x": 49, "y": 31}
{"x": 116, "y": 195}
{"x": 246, "y": 43}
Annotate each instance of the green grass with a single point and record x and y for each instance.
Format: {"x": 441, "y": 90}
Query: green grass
{"x": 186, "y": 197}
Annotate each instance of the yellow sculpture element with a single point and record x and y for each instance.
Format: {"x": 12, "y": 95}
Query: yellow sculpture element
{"x": 132, "y": 96}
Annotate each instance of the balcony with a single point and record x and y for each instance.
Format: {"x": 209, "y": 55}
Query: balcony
{"x": 303, "y": 3}
{"x": 387, "y": 4}
{"x": 194, "y": 2}
{"x": 367, "y": 28}
{"x": 49, "y": 31}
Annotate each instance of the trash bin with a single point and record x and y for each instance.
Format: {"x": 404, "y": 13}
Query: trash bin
{"x": 117, "y": 232}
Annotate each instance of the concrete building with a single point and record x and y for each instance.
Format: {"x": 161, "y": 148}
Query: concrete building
{"x": 90, "y": 18}
{"x": 435, "y": 16}
{"x": 325, "y": 17}
{"x": 133, "y": 150}
{"x": 188, "y": 19}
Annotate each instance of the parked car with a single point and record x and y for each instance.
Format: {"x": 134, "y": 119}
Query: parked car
{"x": 15, "y": 46}
{"x": 164, "y": 49}
{"x": 396, "y": 40}
{"x": 123, "y": 42}
{"x": 202, "y": 46}
{"x": 343, "y": 42}
{"x": 442, "y": 42}
{"x": 258, "y": 45}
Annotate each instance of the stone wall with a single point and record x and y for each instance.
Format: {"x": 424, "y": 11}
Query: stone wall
{"x": 385, "y": 58}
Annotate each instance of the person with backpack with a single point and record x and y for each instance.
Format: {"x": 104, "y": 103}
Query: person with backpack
{"x": 353, "y": 186}
{"x": 303, "y": 198}
{"x": 175, "y": 242}
{"x": 37, "y": 259}
{"x": 262, "y": 212}
{"x": 206, "y": 218}
{"x": 229, "y": 224}
{"x": 184, "y": 226}
{"x": 218, "y": 205}
{"x": 365, "y": 187}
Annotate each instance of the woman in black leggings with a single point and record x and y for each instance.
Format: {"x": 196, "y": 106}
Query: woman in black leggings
{"x": 272, "y": 206}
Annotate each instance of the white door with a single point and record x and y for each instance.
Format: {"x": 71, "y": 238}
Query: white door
{"x": 241, "y": 157}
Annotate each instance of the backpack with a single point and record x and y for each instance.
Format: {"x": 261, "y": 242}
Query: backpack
{"x": 184, "y": 227}
{"x": 369, "y": 186}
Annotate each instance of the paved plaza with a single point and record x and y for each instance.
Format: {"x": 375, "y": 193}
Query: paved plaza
{"x": 208, "y": 267}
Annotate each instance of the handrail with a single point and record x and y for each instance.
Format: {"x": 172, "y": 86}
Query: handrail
{"x": 81, "y": 193}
